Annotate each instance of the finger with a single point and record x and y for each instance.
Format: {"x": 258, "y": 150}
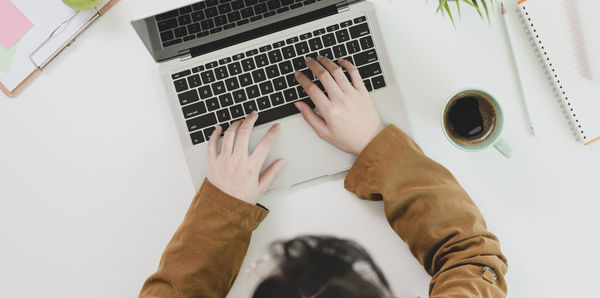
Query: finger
{"x": 316, "y": 122}
{"x": 243, "y": 133}
{"x": 324, "y": 76}
{"x": 357, "y": 81}
{"x": 263, "y": 148}
{"x": 212, "y": 143}
{"x": 316, "y": 95}
{"x": 269, "y": 175}
{"x": 336, "y": 72}
{"x": 229, "y": 138}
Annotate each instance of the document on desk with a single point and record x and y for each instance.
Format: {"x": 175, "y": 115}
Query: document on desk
{"x": 553, "y": 25}
{"x": 45, "y": 16}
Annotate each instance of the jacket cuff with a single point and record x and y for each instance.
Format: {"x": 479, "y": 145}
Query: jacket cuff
{"x": 375, "y": 153}
{"x": 239, "y": 212}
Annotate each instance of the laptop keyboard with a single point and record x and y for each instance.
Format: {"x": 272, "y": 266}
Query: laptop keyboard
{"x": 213, "y": 16}
{"x": 262, "y": 79}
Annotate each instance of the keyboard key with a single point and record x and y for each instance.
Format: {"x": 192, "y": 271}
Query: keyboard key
{"x": 345, "y": 24}
{"x": 272, "y": 71}
{"x": 243, "y": 22}
{"x": 226, "y": 100}
{"x": 332, "y": 28}
{"x": 370, "y": 70}
{"x": 353, "y": 47}
{"x": 198, "y": 69}
{"x": 288, "y": 52}
{"x": 299, "y": 63}
{"x": 301, "y": 92}
{"x": 378, "y": 82}
{"x": 208, "y": 132}
{"x": 349, "y": 59}
{"x": 275, "y": 56}
{"x": 276, "y": 113}
{"x": 261, "y": 60}
{"x": 259, "y": 75}
{"x": 339, "y": 51}
{"x": 234, "y": 16}
{"x": 279, "y": 83}
{"x": 197, "y": 137}
{"x": 194, "y": 110}
{"x": 232, "y": 84}
{"x": 296, "y": 5}
{"x": 237, "y": 4}
{"x": 210, "y": 3}
{"x": 201, "y": 122}
{"x": 212, "y": 104}
{"x": 221, "y": 72}
{"x": 239, "y": 56}
{"x": 291, "y": 80}
{"x": 181, "y": 85}
{"x": 283, "y": 9}
{"x": 223, "y": 115}
{"x": 250, "y": 2}
{"x": 194, "y": 81}
{"x": 326, "y": 53}
{"x": 253, "y": 91}
{"x": 291, "y": 40}
{"x": 285, "y": 67}
{"x": 251, "y": 52}
{"x": 215, "y": 30}
{"x": 188, "y": 97}
{"x": 211, "y": 65}
{"x": 366, "y": 42}
{"x": 319, "y": 32}
{"x": 199, "y": 5}
{"x": 229, "y": 26}
{"x": 247, "y": 12}
{"x": 309, "y": 74}
{"x": 328, "y": 39}
{"x": 186, "y": 9}
{"x": 265, "y": 48}
{"x": 279, "y": 44}
{"x": 184, "y": 20}
{"x": 235, "y": 68}
{"x": 360, "y": 19}
{"x": 182, "y": 74}
{"x": 260, "y": 8}
{"x": 290, "y": 94}
{"x": 224, "y": 127}
{"x": 255, "y": 18}
{"x": 266, "y": 87}
{"x": 273, "y": 4}
{"x": 207, "y": 24}
{"x": 207, "y": 77}
{"x": 167, "y": 35}
{"x": 368, "y": 85}
{"x": 342, "y": 35}
{"x": 359, "y": 30}
{"x": 277, "y": 98}
{"x": 202, "y": 34}
{"x": 250, "y": 106}
{"x": 197, "y": 16}
{"x": 194, "y": 28}
{"x": 302, "y": 48}
{"x": 237, "y": 111}
{"x": 205, "y": 92}
{"x": 263, "y": 103}
{"x": 365, "y": 57}
{"x": 224, "y": 61}
{"x": 307, "y": 2}
{"x": 305, "y": 36}
{"x": 167, "y": 24}
{"x": 315, "y": 44}
{"x": 239, "y": 96}
{"x": 180, "y": 32}
{"x": 224, "y": 8}
{"x": 248, "y": 64}
{"x": 245, "y": 80}
{"x": 218, "y": 88}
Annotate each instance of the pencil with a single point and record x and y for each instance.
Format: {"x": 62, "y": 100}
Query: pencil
{"x": 514, "y": 59}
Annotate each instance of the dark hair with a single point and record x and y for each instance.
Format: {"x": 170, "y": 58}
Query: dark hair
{"x": 322, "y": 267}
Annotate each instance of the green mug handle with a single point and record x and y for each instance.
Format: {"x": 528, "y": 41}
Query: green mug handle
{"x": 504, "y": 148}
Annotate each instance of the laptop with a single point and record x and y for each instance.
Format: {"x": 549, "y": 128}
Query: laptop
{"x": 221, "y": 59}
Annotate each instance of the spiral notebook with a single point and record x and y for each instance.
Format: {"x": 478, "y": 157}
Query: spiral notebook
{"x": 556, "y": 32}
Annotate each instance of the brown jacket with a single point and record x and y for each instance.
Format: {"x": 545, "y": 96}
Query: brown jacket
{"x": 423, "y": 203}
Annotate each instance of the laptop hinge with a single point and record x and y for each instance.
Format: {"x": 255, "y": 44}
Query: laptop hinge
{"x": 185, "y": 55}
{"x": 343, "y": 6}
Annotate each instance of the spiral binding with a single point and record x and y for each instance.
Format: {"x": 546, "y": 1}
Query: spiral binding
{"x": 559, "y": 89}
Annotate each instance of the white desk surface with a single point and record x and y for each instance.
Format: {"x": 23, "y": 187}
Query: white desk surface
{"x": 93, "y": 181}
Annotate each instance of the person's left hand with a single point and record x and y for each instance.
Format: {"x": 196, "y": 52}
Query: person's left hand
{"x": 234, "y": 170}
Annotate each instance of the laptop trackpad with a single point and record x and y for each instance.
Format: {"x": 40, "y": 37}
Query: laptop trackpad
{"x": 307, "y": 156}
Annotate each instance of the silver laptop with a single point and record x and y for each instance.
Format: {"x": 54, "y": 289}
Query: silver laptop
{"x": 221, "y": 59}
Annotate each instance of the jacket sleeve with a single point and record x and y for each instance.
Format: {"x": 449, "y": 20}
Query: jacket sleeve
{"x": 431, "y": 212}
{"x": 208, "y": 249}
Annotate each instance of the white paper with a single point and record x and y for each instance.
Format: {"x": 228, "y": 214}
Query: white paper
{"x": 45, "y": 15}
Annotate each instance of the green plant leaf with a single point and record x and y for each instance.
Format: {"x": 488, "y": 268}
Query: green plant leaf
{"x": 487, "y": 13}
{"x": 477, "y": 7}
{"x": 458, "y": 8}
{"x": 447, "y": 7}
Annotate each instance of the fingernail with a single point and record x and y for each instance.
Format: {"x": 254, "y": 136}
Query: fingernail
{"x": 308, "y": 59}
{"x": 296, "y": 73}
{"x": 319, "y": 57}
{"x": 297, "y": 104}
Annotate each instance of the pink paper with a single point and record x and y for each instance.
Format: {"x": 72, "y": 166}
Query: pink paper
{"x": 13, "y": 24}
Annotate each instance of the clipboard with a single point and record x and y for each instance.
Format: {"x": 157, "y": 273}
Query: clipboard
{"x": 39, "y": 68}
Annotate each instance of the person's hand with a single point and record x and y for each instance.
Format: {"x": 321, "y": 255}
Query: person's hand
{"x": 234, "y": 170}
{"x": 349, "y": 120}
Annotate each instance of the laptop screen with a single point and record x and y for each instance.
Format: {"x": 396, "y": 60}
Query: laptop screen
{"x": 213, "y": 24}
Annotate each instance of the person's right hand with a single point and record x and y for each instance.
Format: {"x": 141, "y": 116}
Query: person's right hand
{"x": 349, "y": 120}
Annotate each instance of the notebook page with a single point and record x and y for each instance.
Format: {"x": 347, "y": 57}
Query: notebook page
{"x": 556, "y": 31}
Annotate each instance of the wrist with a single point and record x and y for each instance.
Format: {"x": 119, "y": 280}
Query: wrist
{"x": 369, "y": 139}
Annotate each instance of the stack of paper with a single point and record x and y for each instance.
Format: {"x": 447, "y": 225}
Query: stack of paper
{"x": 13, "y": 25}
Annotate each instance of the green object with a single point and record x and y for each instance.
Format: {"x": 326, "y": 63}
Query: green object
{"x": 495, "y": 140}
{"x": 444, "y": 6}
{"x": 6, "y": 57}
{"x": 82, "y": 4}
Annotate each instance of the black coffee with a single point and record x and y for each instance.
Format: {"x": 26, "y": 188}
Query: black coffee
{"x": 470, "y": 118}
